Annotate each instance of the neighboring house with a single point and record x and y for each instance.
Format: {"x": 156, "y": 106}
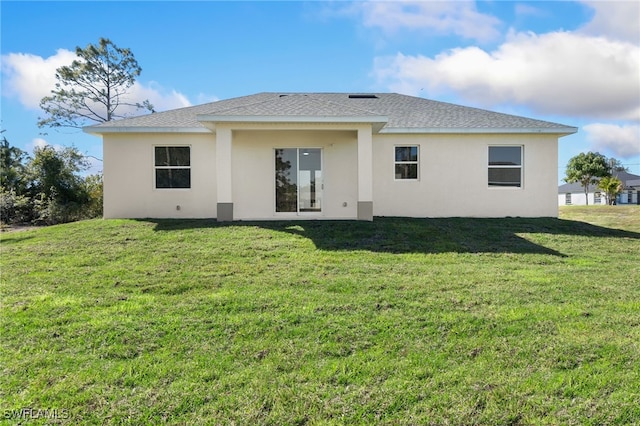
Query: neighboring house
{"x": 329, "y": 156}
{"x": 572, "y": 194}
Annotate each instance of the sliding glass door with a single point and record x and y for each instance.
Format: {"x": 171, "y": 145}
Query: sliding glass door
{"x": 298, "y": 180}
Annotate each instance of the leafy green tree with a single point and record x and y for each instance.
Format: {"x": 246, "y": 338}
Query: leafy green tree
{"x": 47, "y": 188}
{"x": 54, "y": 174}
{"x": 93, "y": 186}
{"x": 93, "y": 88}
{"x": 611, "y": 186}
{"x": 57, "y": 190}
{"x": 12, "y": 168}
{"x": 587, "y": 168}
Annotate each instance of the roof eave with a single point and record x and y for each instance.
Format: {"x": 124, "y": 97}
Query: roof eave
{"x": 377, "y": 122}
{"x": 100, "y": 130}
{"x": 561, "y": 131}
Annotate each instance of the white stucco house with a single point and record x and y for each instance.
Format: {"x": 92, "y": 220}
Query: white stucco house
{"x": 273, "y": 156}
{"x": 572, "y": 194}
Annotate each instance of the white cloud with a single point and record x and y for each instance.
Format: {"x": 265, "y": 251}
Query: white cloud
{"x": 614, "y": 19}
{"x": 29, "y": 78}
{"x": 623, "y": 141}
{"x": 522, "y": 9}
{"x": 161, "y": 98}
{"x": 40, "y": 143}
{"x": 460, "y": 18}
{"x": 203, "y": 98}
{"x": 555, "y": 73}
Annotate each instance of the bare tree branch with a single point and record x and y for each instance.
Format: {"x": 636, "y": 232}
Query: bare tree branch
{"x": 101, "y": 76}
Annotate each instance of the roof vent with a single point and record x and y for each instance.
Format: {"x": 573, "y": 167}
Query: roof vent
{"x": 363, "y": 96}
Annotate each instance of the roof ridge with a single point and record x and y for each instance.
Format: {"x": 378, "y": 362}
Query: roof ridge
{"x": 309, "y": 97}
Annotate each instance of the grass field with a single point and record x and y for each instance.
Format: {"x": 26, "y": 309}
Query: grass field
{"x": 399, "y": 322}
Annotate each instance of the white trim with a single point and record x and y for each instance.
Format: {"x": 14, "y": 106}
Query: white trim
{"x": 291, "y": 119}
{"x": 211, "y": 121}
{"x": 94, "y": 130}
{"x": 155, "y": 168}
{"x": 298, "y": 213}
{"x": 482, "y": 130}
{"x": 417, "y": 162}
{"x": 520, "y": 166}
{"x": 378, "y": 122}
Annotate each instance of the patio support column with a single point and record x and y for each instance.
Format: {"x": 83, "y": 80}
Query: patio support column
{"x": 365, "y": 173}
{"x": 223, "y": 175}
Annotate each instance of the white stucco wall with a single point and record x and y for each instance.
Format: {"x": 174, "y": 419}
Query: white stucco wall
{"x": 578, "y": 199}
{"x": 453, "y": 177}
{"x": 253, "y": 172}
{"x": 129, "y": 177}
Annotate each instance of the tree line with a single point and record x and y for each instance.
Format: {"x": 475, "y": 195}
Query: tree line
{"x": 593, "y": 168}
{"x": 48, "y": 187}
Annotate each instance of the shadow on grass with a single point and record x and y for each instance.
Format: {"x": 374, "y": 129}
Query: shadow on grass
{"x": 13, "y": 237}
{"x": 409, "y": 235}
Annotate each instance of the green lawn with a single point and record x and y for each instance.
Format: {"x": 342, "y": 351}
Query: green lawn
{"x": 399, "y": 321}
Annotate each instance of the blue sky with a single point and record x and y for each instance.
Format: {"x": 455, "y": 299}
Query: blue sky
{"x": 576, "y": 63}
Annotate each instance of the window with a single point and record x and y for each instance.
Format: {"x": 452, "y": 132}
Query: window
{"x": 567, "y": 199}
{"x": 505, "y": 166}
{"x": 406, "y": 163}
{"x": 298, "y": 173}
{"x": 597, "y": 198}
{"x": 173, "y": 166}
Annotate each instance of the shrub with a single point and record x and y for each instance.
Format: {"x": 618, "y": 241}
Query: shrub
{"x": 15, "y": 208}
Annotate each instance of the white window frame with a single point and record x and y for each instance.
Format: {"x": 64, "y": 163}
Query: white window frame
{"x": 299, "y": 213}
{"x": 155, "y": 168}
{"x": 567, "y": 199}
{"x": 506, "y": 166}
{"x": 417, "y": 163}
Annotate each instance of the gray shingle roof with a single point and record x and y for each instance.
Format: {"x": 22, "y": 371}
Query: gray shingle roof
{"x": 402, "y": 113}
{"x": 305, "y": 105}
